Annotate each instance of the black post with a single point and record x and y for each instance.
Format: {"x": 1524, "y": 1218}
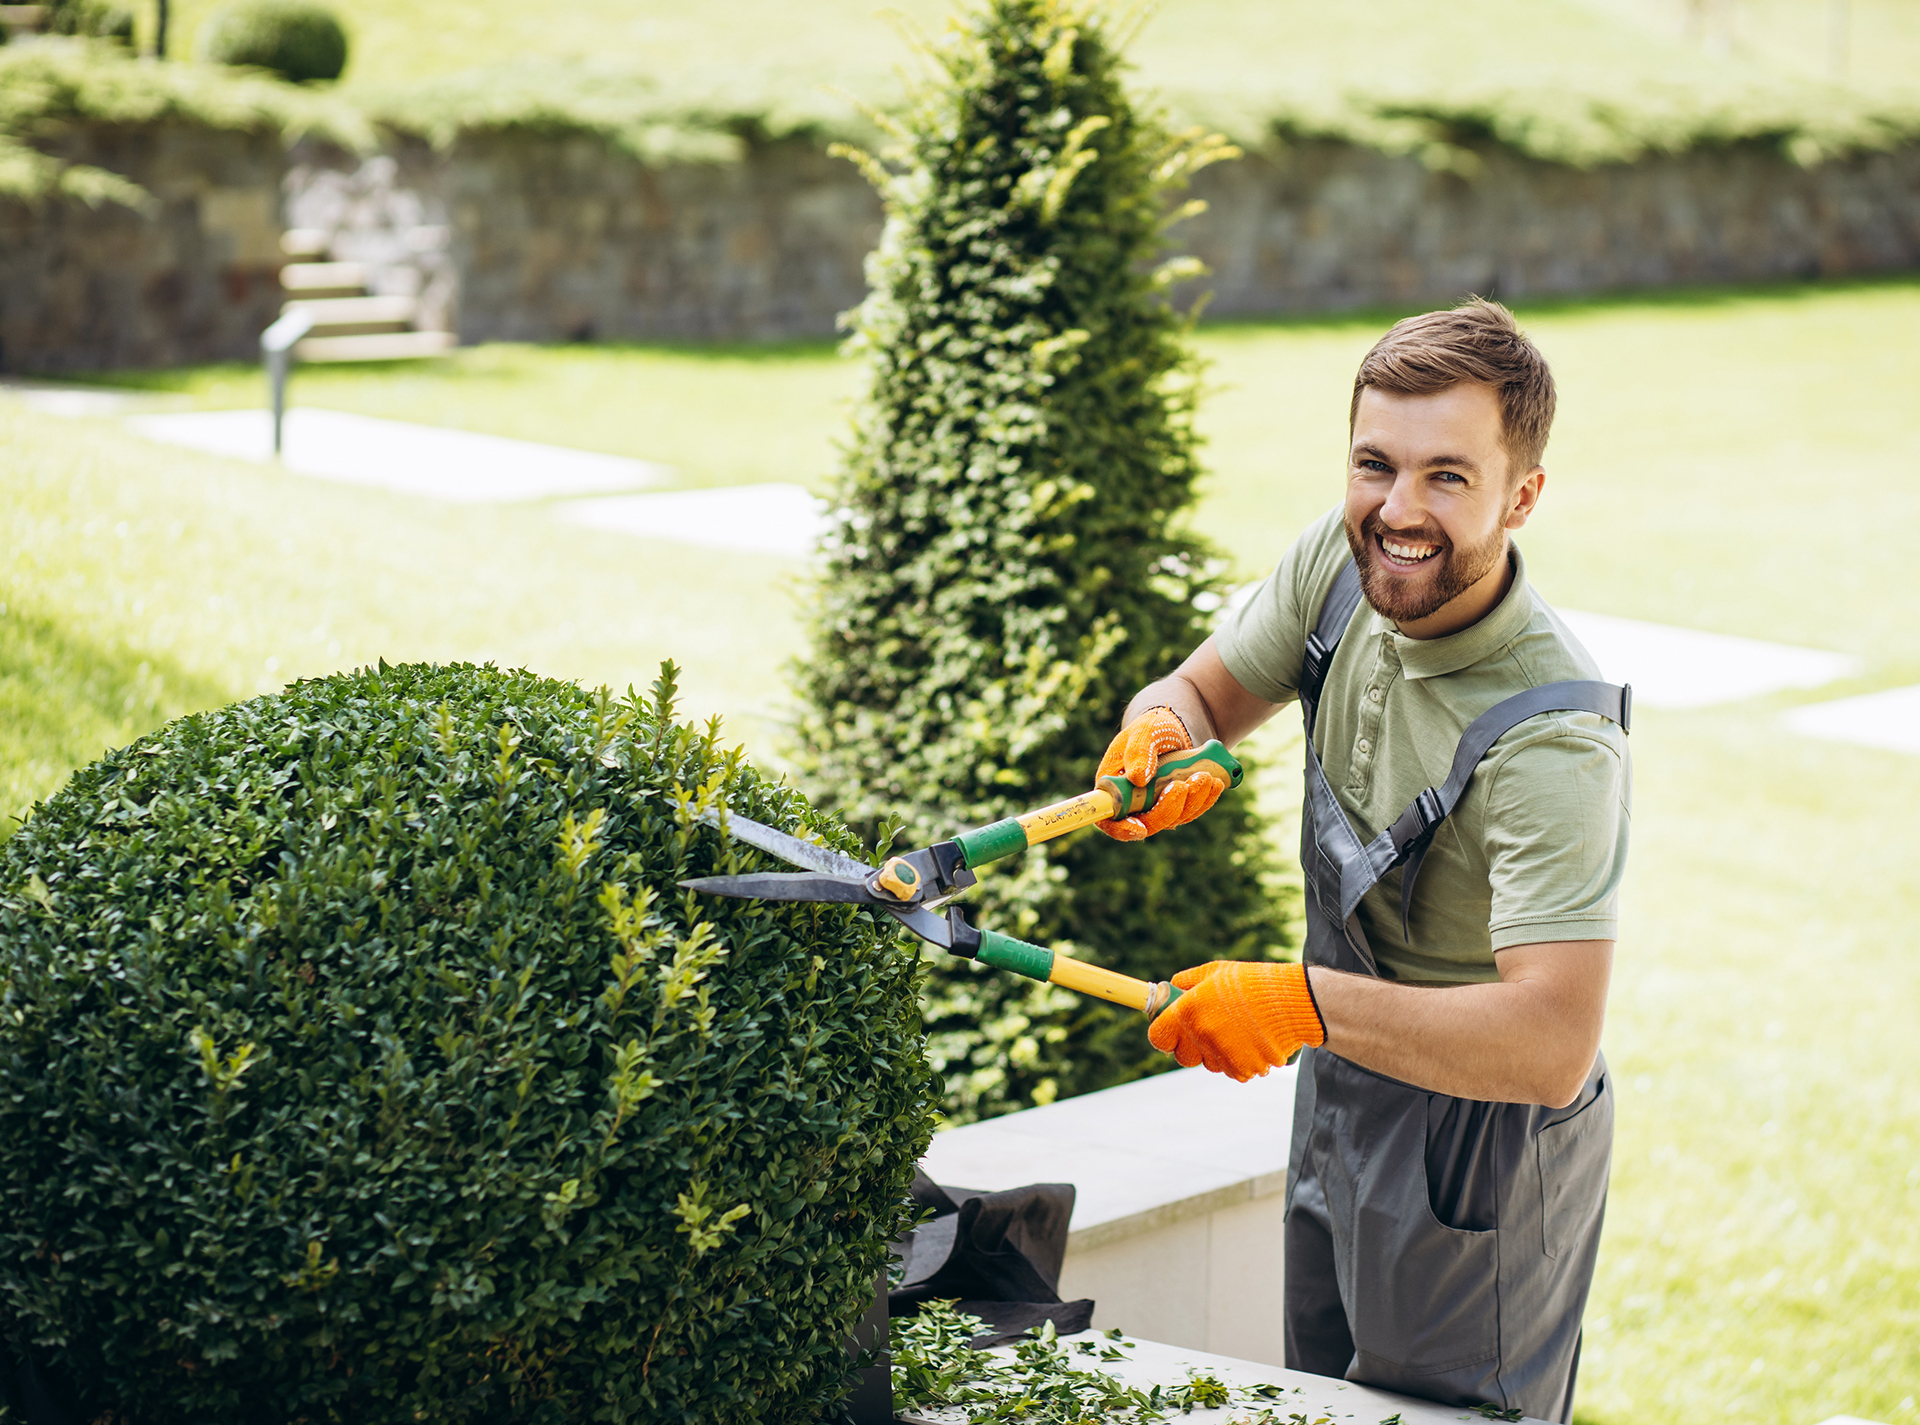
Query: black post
{"x": 872, "y": 1400}
{"x": 160, "y": 30}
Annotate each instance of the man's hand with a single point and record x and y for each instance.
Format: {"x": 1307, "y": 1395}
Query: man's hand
{"x": 1135, "y": 754}
{"x": 1239, "y": 1017}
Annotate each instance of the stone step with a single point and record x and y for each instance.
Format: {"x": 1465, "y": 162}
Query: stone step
{"x": 304, "y": 244}
{"x": 356, "y": 316}
{"x": 325, "y": 279}
{"x": 379, "y": 346}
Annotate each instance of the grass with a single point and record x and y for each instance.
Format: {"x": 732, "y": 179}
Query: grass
{"x": 1795, "y": 36}
{"x": 1567, "y": 71}
{"x": 721, "y": 415}
{"x": 1724, "y": 460}
{"x": 182, "y": 581}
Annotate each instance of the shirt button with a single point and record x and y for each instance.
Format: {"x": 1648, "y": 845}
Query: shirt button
{"x": 1364, "y": 745}
{"x": 1373, "y": 695}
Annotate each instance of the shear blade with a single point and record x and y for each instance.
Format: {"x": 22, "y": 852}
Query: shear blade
{"x": 790, "y": 849}
{"x": 787, "y": 886}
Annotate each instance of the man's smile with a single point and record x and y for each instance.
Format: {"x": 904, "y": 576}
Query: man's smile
{"x": 1405, "y": 553}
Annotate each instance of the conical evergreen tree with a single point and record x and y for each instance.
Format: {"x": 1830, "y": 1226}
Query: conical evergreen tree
{"x": 1008, "y": 564}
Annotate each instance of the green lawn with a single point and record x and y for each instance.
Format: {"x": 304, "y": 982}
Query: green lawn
{"x": 1229, "y": 62}
{"x": 721, "y": 415}
{"x": 1723, "y": 460}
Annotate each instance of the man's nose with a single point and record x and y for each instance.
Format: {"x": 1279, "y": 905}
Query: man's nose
{"x": 1406, "y": 504}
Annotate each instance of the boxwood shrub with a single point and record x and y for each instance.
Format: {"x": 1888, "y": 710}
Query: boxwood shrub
{"x": 296, "y": 39}
{"x": 360, "y": 1060}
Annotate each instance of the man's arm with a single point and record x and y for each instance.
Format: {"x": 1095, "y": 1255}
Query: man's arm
{"x": 1530, "y": 1038}
{"x": 1208, "y": 699}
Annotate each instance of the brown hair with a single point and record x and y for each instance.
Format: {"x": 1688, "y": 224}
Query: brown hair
{"x": 1477, "y": 341}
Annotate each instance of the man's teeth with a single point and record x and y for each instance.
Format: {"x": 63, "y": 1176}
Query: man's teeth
{"x": 1410, "y": 553}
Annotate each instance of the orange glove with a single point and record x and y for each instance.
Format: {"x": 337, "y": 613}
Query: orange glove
{"x": 1239, "y": 1017}
{"x": 1135, "y": 754}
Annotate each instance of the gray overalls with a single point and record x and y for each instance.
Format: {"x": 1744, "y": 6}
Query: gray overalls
{"x": 1434, "y": 1245}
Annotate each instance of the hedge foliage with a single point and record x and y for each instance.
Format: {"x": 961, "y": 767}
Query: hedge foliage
{"x": 298, "y": 40}
{"x": 1556, "y": 107}
{"x": 104, "y": 19}
{"x": 360, "y": 1060}
{"x": 51, "y": 87}
{"x": 1008, "y": 566}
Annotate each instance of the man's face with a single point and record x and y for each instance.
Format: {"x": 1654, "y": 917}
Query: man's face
{"x": 1429, "y": 503}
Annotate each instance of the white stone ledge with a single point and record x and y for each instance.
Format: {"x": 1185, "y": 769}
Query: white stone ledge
{"x": 1141, "y": 1157}
{"x": 1179, "y": 1186}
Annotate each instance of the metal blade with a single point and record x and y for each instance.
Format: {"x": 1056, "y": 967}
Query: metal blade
{"x": 787, "y": 886}
{"x": 925, "y": 924}
{"x": 790, "y": 849}
{"x": 802, "y": 886}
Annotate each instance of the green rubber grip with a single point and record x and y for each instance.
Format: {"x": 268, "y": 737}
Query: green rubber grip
{"x": 1003, "y": 952}
{"x": 1134, "y": 800}
{"x": 990, "y": 843}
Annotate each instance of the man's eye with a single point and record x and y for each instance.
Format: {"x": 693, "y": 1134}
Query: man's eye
{"x": 1450, "y": 475}
{"x": 1375, "y": 465}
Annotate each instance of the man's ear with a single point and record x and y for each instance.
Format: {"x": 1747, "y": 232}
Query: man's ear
{"x": 1525, "y": 496}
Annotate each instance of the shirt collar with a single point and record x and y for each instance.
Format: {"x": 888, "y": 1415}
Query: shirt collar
{"x": 1431, "y": 657}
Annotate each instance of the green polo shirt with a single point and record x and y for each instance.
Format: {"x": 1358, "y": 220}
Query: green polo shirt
{"x": 1535, "y": 850}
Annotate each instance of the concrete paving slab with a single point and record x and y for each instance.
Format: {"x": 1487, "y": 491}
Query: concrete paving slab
{"x": 408, "y": 458}
{"x": 761, "y": 519}
{"x": 1890, "y": 720}
{"x": 1299, "y": 1396}
{"x": 1673, "y": 667}
{"x": 57, "y": 400}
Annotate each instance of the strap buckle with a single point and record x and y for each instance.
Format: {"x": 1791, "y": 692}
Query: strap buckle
{"x": 1427, "y": 807}
{"x": 1319, "y": 658}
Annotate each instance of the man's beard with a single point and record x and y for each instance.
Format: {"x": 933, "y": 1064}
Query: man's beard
{"x": 1412, "y": 596}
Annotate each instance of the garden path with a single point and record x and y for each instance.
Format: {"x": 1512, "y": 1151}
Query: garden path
{"x": 1889, "y": 719}
{"x": 443, "y": 464}
{"x": 1669, "y": 666}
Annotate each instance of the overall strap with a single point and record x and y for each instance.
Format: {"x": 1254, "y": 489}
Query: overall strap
{"x": 1411, "y": 835}
{"x": 1336, "y": 612}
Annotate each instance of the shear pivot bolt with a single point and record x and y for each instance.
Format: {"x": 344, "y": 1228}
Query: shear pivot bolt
{"x": 898, "y": 878}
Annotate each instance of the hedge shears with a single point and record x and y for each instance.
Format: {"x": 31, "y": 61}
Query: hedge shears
{"x": 915, "y": 886}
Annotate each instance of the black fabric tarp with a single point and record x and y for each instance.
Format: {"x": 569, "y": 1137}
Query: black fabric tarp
{"x": 997, "y": 1253}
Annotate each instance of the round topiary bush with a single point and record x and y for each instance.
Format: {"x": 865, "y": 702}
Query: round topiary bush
{"x": 361, "y": 1060}
{"x": 296, "y": 39}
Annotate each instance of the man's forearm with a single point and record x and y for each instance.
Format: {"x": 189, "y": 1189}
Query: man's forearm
{"x": 1530, "y": 1037}
{"x": 1209, "y": 700}
{"x": 1178, "y": 692}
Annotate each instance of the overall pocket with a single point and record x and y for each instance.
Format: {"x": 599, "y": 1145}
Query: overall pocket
{"x": 1426, "y": 1296}
{"x": 1573, "y": 1154}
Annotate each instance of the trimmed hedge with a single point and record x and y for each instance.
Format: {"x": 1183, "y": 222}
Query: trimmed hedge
{"x": 1009, "y": 563}
{"x": 295, "y": 39}
{"x": 55, "y": 85}
{"x": 360, "y": 1060}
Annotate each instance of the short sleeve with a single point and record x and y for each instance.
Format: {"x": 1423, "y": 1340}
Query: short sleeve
{"x": 1556, "y": 831}
{"x": 1263, "y": 642}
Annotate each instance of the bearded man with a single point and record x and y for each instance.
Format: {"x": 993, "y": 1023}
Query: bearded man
{"x": 1463, "y": 838}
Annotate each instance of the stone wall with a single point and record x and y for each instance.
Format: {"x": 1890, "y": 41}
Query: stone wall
{"x": 558, "y": 239}
{"x": 524, "y": 237}
{"x": 564, "y": 240}
{"x": 193, "y": 278}
{"x": 1316, "y": 226}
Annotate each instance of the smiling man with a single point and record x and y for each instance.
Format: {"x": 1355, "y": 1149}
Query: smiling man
{"x": 1463, "y": 838}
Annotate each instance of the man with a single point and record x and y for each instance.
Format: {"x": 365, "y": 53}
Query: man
{"x": 1463, "y": 839}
